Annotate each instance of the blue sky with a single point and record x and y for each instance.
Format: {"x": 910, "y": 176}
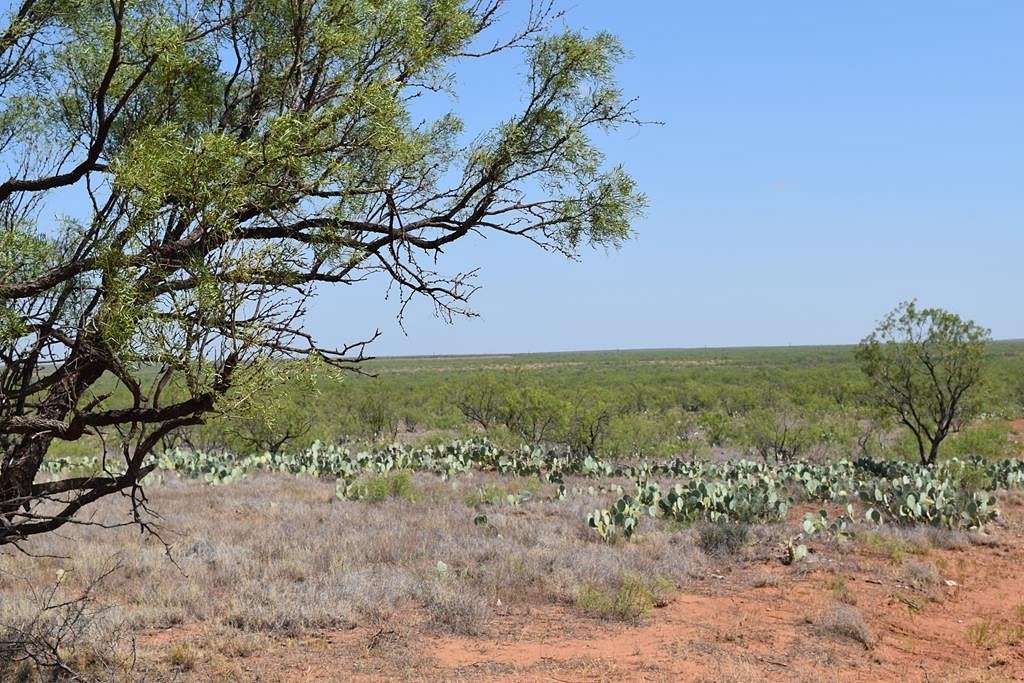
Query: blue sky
{"x": 818, "y": 163}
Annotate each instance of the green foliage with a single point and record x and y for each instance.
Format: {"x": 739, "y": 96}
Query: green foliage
{"x": 923, "y": 365}
{"x": 23, "y": 254}
{"x": 378, "y": 488}
{"x": 776, "y": 434}
{"x": 663, "y": 403}
{"x": 955, "y": 494}
{"x": 928, "y": 499}
{"x": 588, "y": 427}
{"x": 230, "y": 162}
{"x": 649, "y": 434}
{"x": 896, "y": 549}
{"x": 717, "y": 427}
{"x": 533, "y": 414}
{"x": 502, "y": 494}
{"x": 745, "y": 499}
{"x": 630, "y": 601}
{"x": 946, "y": 496}
{"x": 987, "y": 439}
{"x": 483, "y": 399}
{"x": 376, "y": 413}
{"x": 623, "y": 517}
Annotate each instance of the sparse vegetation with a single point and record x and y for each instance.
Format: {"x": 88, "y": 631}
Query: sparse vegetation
{"x": 921, "y": 576}
{"x": 722, "y": 538}
{"x": 206, "y": 474}
{"x": 989, "y": 634}
{"x": 440, "y": 537}
{"x": 841, "y": 591}
{"x": 846, "y": 621}
{"x": 892, "y": 545}
{"x": 182, "y": 657}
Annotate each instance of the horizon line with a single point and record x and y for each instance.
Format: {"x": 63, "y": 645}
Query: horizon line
{"x": 739, "y": 347}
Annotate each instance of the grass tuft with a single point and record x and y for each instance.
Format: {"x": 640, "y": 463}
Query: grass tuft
{"x": 377, "y": 489}
{"x": 630, "y": 601}
{"x": 847, "y": 622}
{"x": 722, "y": 538}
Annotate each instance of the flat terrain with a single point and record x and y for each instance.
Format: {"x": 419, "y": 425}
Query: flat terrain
{"x": 274, "y": 579}
{"x": 649, "y": 403}
{"x": 434, "y": 571}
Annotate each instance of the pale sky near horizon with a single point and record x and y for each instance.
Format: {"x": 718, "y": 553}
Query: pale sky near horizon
{"x": 818, "y": 163}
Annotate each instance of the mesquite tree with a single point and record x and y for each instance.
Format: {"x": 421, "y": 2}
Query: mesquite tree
{"x": 185, "y": 173}
{"x": 923, "y": 364}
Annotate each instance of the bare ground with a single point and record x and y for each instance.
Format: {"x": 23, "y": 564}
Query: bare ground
{"x": 273, "y": 580}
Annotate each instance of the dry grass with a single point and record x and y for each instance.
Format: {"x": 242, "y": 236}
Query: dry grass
{"x": 282, "y": 555}
{"x": 278, "y": 562}
{"x": 764, "y": 579}
{"x": 722, "y": 539}
{"x": 182, "y": 657}
{"x": 989, "y": 633}
{"x": 841, "y": 591}
{"x": 845, "y": 621}
{"x": 921, "y": 576}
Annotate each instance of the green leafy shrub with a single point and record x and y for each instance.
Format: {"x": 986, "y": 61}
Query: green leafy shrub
{"x": 716, "y": 427}
{"x": 989, "y": 439}
{"x": 376, "y": 489}
{"x": 775, "y": 435}
{"x": 631, "y": 600}
{"x": 535, "y": 414}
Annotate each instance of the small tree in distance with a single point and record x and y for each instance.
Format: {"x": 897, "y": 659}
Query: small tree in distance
{"x": 922, "y": 364}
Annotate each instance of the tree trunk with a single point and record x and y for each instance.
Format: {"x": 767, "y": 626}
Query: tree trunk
{"x": 920, "y": 449}
{"x": 20, "y": 468}
{"x": 21, "y": 465}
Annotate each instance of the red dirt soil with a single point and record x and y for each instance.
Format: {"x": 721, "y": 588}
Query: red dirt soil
{"x": 767, "y": 629}
{"x": 1017, "y": 430}
{"x": 724, "y": 628}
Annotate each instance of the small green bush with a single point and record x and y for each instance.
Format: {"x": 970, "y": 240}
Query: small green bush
{"x": 376, "y": 489}
{"x": 989, "y": 439}
{"x": 630, "y": 601}
{"x": 639, "y": 435}
{"x": 494, "y": 494}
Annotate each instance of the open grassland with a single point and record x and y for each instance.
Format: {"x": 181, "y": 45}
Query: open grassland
{"x": 275, "y": 578}
{"x": 658, "y": 529}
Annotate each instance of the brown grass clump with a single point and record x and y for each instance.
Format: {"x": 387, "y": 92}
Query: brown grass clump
{"x": 846, "y": 621}
{"x": 182, "y": 657}
{"x": 722, "y": 539}
{"x": 921, "y": 576}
